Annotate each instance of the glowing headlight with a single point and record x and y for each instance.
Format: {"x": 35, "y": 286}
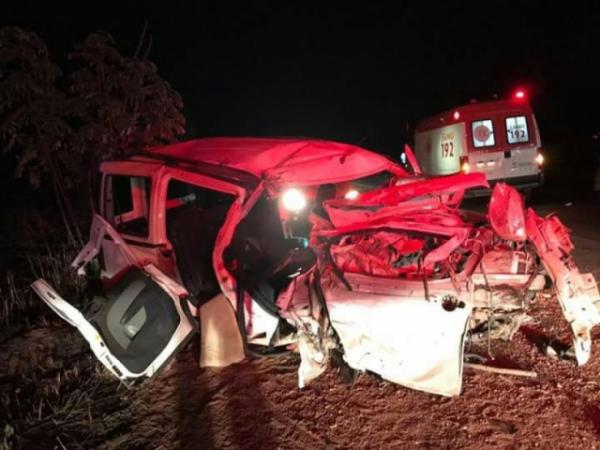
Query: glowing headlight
{"x": 293, "y": 200}
{"x": 352, "y": 194}
{"x": 539, "y": 159}
{"x": 466, "y": 167}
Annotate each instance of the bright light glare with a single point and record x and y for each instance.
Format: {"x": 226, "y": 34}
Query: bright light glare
{"x": 293, "y": 200}
{"x": 456, "y": 115}
{"x": 352, "y": 194}
{"x": 539, "y": 159}
{"x": 466, "y": 167}
{"x": 520, "y": 94}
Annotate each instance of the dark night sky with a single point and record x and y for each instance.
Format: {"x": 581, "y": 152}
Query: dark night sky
{"x": 350, "y": 73}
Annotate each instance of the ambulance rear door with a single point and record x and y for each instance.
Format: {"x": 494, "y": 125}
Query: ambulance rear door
{"x": 439, "y": 150}
{"x": 522, "y": 141}
{"x": 485, "y": 154}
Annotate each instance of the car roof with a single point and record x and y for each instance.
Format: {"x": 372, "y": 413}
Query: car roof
{"x": 280, "y": 160}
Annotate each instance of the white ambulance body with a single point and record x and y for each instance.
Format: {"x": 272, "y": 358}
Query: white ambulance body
{"x": 499, "y": 138}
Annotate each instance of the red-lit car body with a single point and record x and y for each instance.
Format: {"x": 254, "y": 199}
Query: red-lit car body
{"x": 259, "y": 242}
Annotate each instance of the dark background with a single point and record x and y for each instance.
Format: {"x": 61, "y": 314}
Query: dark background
{"x": 364, "y": 73}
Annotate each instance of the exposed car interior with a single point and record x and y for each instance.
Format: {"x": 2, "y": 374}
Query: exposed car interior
{"x": 127, "y": 203}
{"x": 194, "y": 217}
{"x": 262, "y": 258}
{"x": 265, "y": 255}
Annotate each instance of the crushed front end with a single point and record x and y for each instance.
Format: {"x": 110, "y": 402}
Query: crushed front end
{"x": 404, "y": 276}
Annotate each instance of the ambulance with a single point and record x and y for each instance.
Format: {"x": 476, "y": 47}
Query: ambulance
{"x": 499, "y": 138}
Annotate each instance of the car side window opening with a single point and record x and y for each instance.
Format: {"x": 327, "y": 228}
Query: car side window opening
{"x": 127, "y": 203}
{"x": 516, "y": 130}
{"x": 194, "y": 216}
{"x": 483, "y": 133}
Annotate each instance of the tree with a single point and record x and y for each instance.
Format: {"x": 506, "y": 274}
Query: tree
{"x": 111, "y": 106}
{"x": 33, "y": 124}
{"x": 121, "y": 103}
{"x": 32, "y": 109}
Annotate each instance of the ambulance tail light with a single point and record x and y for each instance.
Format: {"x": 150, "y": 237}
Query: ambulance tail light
{"x": 465, "y": 167}
{"x": 520, "y": 95}
{"x": 539, "y": 160}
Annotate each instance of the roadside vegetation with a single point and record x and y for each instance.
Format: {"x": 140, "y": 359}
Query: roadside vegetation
{"x": 56, "y": 126}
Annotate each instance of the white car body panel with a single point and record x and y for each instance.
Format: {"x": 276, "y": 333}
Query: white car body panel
{"x": 409, "y": 341}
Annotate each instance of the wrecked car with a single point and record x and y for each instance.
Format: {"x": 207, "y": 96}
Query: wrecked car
{"x": 258, "y": 245}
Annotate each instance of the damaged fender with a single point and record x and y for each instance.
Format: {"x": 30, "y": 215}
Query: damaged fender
{"x": 577, "y": 293}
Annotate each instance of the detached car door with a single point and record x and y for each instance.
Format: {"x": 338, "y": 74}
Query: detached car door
{"x": 144, "y": 315}
{"x": 144, "y": 319}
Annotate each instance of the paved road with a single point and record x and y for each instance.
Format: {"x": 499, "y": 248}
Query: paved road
{"x": 581, "y": 214}
{"x": 580, "y": 211}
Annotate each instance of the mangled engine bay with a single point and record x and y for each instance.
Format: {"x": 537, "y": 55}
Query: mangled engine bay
{"x": 404, "y": 277}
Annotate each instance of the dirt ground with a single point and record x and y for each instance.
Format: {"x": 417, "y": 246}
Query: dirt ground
{"x": 54, "y": 395}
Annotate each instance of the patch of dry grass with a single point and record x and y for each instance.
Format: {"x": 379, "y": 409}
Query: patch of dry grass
{"x": 19, "y": 303}
{"x": 62, "y": 398}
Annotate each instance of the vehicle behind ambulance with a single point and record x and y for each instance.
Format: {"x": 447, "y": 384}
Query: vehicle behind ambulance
{"x": 499, "y": 138}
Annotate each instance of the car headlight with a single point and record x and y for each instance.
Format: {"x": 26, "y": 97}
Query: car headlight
{"x": 352, "y": 194}
{"x": 293, "y": 200}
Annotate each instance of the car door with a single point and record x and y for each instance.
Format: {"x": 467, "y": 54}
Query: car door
{"x": 144, "y": 318}
{"x": 146, "y": 313}
{"x": 130, "y": 204}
